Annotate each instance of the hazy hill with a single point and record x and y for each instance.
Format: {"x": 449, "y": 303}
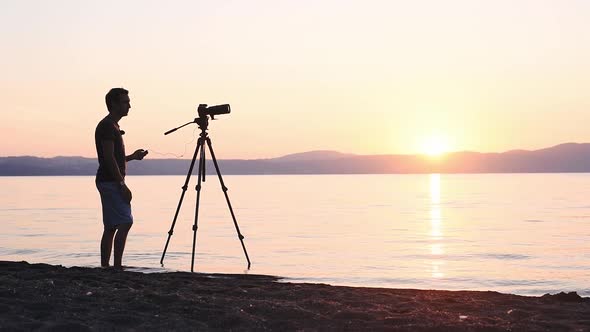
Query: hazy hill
{"x": 570, "y": 157}
{"x": 314, "y": 155}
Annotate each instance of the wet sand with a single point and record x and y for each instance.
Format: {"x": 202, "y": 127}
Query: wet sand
{"x": 54, "y": 298}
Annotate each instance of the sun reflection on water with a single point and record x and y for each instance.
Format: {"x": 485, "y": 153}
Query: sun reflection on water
{"x": 436, "y": 235}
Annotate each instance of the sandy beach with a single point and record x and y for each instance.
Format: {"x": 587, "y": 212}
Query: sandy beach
{"x": 55, "y": 298}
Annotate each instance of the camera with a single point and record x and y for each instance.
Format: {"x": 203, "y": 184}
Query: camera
{"x": 203, "y": 110}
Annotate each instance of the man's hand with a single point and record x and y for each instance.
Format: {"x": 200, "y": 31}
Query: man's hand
{"x": 126, "y": 193}
{"x": 139, "y": 154}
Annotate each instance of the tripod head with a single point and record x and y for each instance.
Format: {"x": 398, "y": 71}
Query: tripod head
{"x": 203, "y": 122}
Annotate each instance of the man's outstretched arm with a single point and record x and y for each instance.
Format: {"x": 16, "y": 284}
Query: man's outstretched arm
{"x": 137, "y": 155}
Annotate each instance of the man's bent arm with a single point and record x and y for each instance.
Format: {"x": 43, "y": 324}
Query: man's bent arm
{"x": 108, "y": 151}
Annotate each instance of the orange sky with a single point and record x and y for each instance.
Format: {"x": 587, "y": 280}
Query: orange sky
{"x": 366, "y": 77}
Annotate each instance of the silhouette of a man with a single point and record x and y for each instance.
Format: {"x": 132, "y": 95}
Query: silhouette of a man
{"x": 115, "y": 196}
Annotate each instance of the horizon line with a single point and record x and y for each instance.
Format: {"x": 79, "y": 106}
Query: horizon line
{"x": 327, "y": 151}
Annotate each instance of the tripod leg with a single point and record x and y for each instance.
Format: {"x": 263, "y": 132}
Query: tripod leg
{"x": 204, "y": 163}
{"x": 224, "y": 188}
{"x": 188, "y": 176}
{"x": 198, "y": 188}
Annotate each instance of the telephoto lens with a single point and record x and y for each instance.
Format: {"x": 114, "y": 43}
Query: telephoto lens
{"x": 218, "y": 109}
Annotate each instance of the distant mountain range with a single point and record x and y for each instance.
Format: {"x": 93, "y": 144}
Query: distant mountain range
{"x": 569, "y": 157}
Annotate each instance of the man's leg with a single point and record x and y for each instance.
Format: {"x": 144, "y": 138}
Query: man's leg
{"x": 120, "y": 239}
{"x": 106, "y": 246}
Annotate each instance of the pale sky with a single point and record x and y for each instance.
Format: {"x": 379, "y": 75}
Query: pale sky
{"x": 365, "y": 77}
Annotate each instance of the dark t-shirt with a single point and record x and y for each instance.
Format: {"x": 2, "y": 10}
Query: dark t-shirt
{"x": 108, "y": 130}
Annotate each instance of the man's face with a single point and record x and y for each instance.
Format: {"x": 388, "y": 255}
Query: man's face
{"x": 123, "y": 106}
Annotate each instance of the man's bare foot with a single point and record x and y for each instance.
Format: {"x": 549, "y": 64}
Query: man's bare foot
{"x": 119, "y": 267}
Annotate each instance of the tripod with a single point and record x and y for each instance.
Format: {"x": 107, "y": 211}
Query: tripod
{"x": 203, "y": 122}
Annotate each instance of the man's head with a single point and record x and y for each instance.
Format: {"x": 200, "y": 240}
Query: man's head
{"x": 118, "y": 102}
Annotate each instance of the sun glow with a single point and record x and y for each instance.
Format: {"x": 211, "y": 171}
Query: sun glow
{"x": 435, "y": 146}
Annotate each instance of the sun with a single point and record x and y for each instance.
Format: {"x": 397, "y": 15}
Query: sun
{"x": 435, "y": 146}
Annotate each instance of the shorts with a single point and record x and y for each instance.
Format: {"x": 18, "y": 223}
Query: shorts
{"x": 115, "y": 210}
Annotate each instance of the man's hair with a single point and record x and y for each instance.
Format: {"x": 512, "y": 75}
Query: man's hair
{"x": 114, "y": 96}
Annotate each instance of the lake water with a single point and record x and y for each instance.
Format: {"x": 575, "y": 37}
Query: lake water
{"x": 518, "y": 233}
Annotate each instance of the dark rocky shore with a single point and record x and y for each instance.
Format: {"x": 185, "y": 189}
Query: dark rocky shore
{"x": 54, "y": 298}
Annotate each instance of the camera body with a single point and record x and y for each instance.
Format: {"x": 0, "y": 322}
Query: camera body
{"x": 205, "y": 110}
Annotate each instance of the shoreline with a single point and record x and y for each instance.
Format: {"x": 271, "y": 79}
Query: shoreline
{"x": 48, "y": 297}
